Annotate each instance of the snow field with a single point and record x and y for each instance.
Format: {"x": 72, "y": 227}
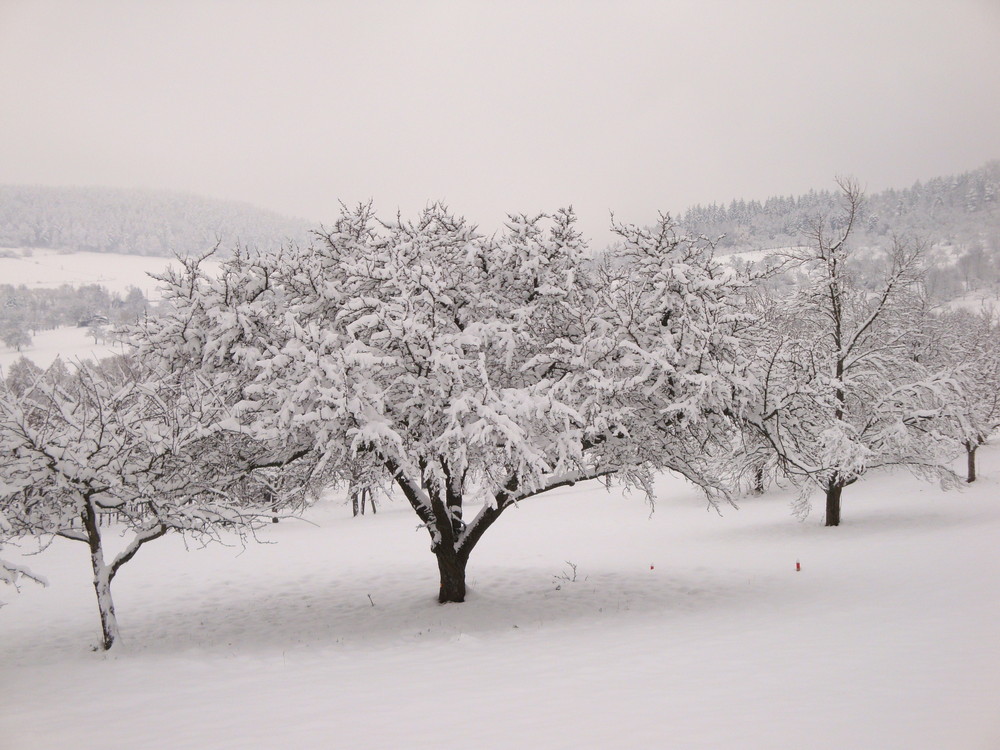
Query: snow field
{"x": 72, "y": 344}
{"x": 45, "y": 268}
{"x": 887, "y": 638}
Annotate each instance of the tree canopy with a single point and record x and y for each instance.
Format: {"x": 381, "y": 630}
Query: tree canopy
{"x": 470, "y": 369}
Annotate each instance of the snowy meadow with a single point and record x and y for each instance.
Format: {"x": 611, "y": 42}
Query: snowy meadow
{"x": 38, "y": 269}
{"x": 683, "y": 628}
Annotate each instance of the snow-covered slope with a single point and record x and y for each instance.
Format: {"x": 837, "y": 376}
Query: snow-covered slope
{"x": 683, "y": 629}
{"x": 980, "y": 300}
{"x": 70, "y": 343}
{"x": 50, "y": 268}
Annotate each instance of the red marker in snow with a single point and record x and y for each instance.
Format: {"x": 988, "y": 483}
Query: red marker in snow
{"x": 650, "y": 567}
{"x": 798, "y": 566}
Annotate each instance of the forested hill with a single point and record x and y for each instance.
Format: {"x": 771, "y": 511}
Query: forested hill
{"x": 962, "y": 210}
{"x": 135, "y": 222}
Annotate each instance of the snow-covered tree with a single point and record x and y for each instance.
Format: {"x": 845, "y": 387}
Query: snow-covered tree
{"x": 839, "y": 390}
{"x": 115, "y": 438}
{"x": 11, "y": 574}
{"x": 15, "y": 337}
{"x": 470, "y": 369}
{"x": 968, "y": 344}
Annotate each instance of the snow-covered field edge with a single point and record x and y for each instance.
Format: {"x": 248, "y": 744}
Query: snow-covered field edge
{"x": 680, "y": 629}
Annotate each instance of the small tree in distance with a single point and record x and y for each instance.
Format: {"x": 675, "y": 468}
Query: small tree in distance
{"x": 471, "y": 369}
{"x": 969, "y": 344}
{"x": 840, "y": 391}
{"x": 16, "y": 337}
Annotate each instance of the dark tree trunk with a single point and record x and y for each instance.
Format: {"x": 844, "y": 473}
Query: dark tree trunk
{"x": 758, "y": 481}
{"x": 451, "y": 567}
{"x": 359, "y": 496}
{"x": 270, "y": 497}
{"x": 970, "y": 455}
{"x": 833, "y": 504}
{"x": 106, "y": 606}
{"x": 102, "y": 576}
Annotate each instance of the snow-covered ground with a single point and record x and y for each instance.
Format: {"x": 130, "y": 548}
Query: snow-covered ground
{"x": 757, "y": 256}
{"x": 70, "y": 343}
{"x": 683, "y": 629}
{"x": 50, "y": 268}
{"x": 977, "y": 301}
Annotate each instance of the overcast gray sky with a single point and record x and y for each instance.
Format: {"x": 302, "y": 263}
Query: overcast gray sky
{"x": 496, "y": 107}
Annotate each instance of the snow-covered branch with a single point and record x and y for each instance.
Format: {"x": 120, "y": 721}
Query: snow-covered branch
{"x": 464, "y": 364}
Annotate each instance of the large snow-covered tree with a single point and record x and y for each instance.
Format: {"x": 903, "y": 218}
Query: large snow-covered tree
{"x": 840, "y": 392}
{"x": 116, "y": 438}
{"x": 473, "y": 370}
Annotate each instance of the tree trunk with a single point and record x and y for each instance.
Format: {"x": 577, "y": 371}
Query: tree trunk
{"x": 102, "y": 578}
{"x": 359, "y": 495}
{"x": 833, "y": 504}
{"x": 443, "y": 518}
{"x": 758, "y": 481}
{"x": 269, "y": 496}
{"x": 109, "y": 622}
{"x": 970, "y": 454}
{"x": 451, "y": 567}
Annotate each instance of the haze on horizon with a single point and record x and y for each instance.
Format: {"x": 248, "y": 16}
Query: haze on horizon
{"x": 633, "y": 107}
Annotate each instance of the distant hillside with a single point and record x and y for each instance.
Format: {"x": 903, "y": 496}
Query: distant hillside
{"x": 135, "y": 222}
{"x": 958, "y": 210}
{"x": 957, "y": 217}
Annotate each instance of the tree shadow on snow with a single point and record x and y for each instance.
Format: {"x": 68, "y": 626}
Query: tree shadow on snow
{"x": 400, "y": 609}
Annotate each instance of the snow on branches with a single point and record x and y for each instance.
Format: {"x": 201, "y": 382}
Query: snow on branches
{"x": 968, "y": 345}
{"x": 116, "y": 441}
{"x": 470, "y": 368}
{"x": 840, "y": 390}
